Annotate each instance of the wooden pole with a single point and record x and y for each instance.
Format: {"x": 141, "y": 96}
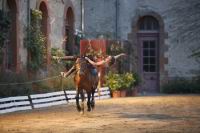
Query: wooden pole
{"x": 61, "y": 82}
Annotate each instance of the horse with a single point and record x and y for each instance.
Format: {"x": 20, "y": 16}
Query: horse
{"x": 86, "y": 81}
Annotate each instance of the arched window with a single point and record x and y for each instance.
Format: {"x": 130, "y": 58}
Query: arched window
{"x": 44, "y": 29}
{"x": 11, "y": 43}
{"x": 44, "y": 11}
{"x": 148, "y": 23}
{"x": 69, "y": 32}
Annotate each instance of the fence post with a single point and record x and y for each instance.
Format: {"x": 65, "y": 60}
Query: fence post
{"x": 61, "y": 82}
{"x": 29, "y": 97}
{"x": 67, "y": 99}
{"x": 14, "y": 104}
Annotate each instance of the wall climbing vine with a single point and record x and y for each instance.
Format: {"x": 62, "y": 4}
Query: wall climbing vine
{"x": 35, "y": 42}
{"x": 4, "y": 31}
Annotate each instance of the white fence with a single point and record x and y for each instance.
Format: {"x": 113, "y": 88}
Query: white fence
{"x": 48, "y": 99}
{"x": 12, "y": 104}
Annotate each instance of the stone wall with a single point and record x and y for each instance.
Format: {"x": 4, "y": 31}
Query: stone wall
{"x": 100, "y": 18}
{"x": 181, "y": 27}
{"x": 56, "y": 16}
{"x": 22, "y": 21}
{"x": 114, "y": 19}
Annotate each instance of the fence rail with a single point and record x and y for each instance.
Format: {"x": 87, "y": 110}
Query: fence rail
{"x": 12, "y": 104}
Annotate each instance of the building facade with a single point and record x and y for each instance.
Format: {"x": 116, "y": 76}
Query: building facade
{"x": 60, "y": 19}
{"x": 161, "y": 33}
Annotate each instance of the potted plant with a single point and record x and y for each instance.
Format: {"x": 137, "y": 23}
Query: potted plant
{"x": 134, "y": 87}
{"x": 114, "y": 83}
{"x": 128, "y": 83}
{"x": 119, "y": 83}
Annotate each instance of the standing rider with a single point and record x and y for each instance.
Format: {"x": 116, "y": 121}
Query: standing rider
{"x": 110, "y": 60}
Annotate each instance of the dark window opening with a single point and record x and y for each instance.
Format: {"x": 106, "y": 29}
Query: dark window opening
{"x": 149, "y": 56}
{"x": 148, "y": 23}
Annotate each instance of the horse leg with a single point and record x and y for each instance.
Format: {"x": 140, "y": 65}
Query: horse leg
{"x": 78, "y": 107}
{"x": 93, "y": 102}
{"x": 82, "y": 103}
{"x": 88, "y": 101}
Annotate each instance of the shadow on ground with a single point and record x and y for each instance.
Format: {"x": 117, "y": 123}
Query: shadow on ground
{"x": 148, "y": 116}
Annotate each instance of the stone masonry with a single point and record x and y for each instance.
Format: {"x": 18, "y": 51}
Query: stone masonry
{"x": 181, "y": 27}
{"x": 117, "y": 20}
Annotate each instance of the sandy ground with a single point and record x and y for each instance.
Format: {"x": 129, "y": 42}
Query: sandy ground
{"x": 153, "y": 114}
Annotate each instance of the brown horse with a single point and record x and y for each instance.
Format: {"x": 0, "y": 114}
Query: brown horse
{"x": 84, "y": 81}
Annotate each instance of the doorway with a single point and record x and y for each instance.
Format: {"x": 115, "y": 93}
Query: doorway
{"x": 148, "y": 47}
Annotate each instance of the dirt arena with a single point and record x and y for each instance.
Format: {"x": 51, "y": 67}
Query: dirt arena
{"x": 150, "y": 114}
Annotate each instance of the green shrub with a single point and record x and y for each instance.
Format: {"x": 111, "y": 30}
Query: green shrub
{"x": 119, "y": 81}
{"x": 128, "y": 80}
{"x": 66, "y": 83}
{"x": 35, "y": 42}
{"x": 137, "y": 79}
{"x": 57, "y": 67}
{"x": 114, "y": 47}
{"x": 181, "y": 86}
{"x": 54, "y": 84}
{"x": 113, "y": 81}
{"x": 195, "y": 84}
{"x": 14, "y": 89}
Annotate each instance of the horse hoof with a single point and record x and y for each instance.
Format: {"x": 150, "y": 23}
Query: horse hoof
{"x": 93, "y": 105}
{"x": 78, "y": 109}
{"x": 89, "y": 109}
{"x": 93, "y": 108}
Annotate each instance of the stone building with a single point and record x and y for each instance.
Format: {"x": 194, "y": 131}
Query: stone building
{"x": 161, "y": 34}
{"x": 60, "y": 18}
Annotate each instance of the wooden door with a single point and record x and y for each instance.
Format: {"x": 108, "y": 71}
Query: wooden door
{"x": 149, "y": 63}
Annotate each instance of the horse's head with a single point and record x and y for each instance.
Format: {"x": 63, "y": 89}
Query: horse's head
{"x": 81, "y": 66}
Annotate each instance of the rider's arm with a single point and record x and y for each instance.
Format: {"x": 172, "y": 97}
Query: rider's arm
{"x": 64, "y": 57}
{"x": 99, "y": 63}
{"x": 71, "y": 70}
{"x": 119, "y": 55}
{"x": 107, "y": 60}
